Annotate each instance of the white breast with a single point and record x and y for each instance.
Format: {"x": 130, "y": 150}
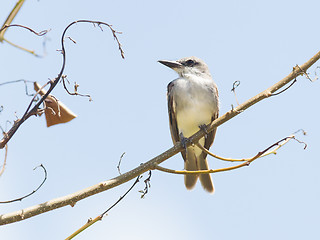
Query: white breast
{"x": 195, "y": 104}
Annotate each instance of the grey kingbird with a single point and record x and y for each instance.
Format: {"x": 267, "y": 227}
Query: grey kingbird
{"x": 193, "y": 102}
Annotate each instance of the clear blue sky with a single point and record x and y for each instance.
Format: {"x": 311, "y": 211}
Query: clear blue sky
{"x": 254, "y": 42}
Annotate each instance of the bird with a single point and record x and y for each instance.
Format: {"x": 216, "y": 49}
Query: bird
{"x": 193, "y": 103}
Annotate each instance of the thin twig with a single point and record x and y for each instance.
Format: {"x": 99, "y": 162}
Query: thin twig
{"x": 75, "y": 93}
{"x": 315, "y": 74}
{"x": 275, "y": 94}
{"x": 5, "y": 160}
{"x": 119, "y": 163}
{"x": 34, "y": 191}
{"x": 147, "y": 185}
{"x": 273, "y": 151}
{"x": 246, "y": 162}
{"x": 98, "y": 218}
{"x": 5, "y": 152}
{"x": 5, "y": 26}
{"x": 20, "y": 80}
{"x": 33, "y": 52}
{"x": 234, "y": 86}
{"x": 41, "y": 33}
{"x": 218, "y": 157}
{"x": 72, "y": 40}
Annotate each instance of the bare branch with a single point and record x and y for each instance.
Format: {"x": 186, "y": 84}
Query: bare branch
{"x": 34, "y": 191}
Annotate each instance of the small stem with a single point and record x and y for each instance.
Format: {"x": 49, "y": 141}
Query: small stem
{"x": 21, "y": 48}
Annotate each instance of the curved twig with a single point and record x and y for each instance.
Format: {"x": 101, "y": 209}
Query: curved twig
{"x": 41, "y": 33}
{"x": 265, "y": 152}
{"x": 34, "y": 191}
{"x": 275, "y": 94}
{"x": 218, "y": 157}
{"x": 246, "y": 162}
{"x": 234, "y": 86}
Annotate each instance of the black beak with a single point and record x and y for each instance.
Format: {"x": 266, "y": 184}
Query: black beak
{"x": 171, "y": 64}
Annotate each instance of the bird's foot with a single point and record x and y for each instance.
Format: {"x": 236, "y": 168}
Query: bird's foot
{"x": 204, "y": 128}
{"x": 184, "y": 141}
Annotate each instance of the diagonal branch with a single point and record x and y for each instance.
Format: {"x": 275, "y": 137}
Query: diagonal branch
{"x": 71, "y": 199}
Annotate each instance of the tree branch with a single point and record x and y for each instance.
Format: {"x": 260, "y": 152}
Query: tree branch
{"x": 71, "y": 199}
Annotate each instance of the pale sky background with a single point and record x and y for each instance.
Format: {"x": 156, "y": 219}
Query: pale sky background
{"x": 255, "y": 42}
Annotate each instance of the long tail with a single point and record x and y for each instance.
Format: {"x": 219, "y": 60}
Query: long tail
{"x": 205, "y": 179}
{"x": 194, "y": 163}
{"x": 190, "y": 164}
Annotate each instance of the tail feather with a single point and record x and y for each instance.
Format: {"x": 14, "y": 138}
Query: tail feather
{"x": 194, "y": 163}
{"x": 190, "y": 165}
{"x": 205, "y": 179}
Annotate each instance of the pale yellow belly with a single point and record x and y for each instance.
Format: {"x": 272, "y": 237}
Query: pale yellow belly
{"x": 190, "y": 119}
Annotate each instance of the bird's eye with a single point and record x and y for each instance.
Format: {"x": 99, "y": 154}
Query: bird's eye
{"x": 190, "y": 63}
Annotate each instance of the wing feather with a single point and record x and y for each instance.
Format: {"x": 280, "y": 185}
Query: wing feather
{"x": 172, "y": 117}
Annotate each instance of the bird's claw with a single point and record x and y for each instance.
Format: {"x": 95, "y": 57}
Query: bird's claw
{"x": 204, "y": 128}
{"x": 184, "y": 141}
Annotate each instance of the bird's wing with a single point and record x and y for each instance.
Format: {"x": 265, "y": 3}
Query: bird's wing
{"x": 210, "y": 136}
{"x": 172, "y": 117}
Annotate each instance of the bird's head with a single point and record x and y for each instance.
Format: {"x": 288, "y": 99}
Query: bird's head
{"x": 188, "y": 66}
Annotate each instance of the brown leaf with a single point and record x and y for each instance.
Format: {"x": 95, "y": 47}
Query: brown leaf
{"x": 55, "y": 111}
